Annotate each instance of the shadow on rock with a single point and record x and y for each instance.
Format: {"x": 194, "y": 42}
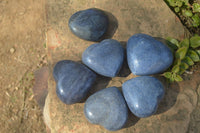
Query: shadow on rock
{"x": 132, "y": 120}
{"x": 124, "y": 71}
{"x": 171, "y": 93}
{"x": 166, "y": 42}
{"x": 100, "y": 83}
{"x": 123, "y": 43}
{"x": 112, "y": 26}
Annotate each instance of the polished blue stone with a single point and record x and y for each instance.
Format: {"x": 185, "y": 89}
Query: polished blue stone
{"x": 107, "y": 108}
{"x": 63, "y": 67}
{"x": 105, "y": 58}
{"x": 73, "y": 81}
{"x": 90, "y": 24}
{"x": 147, "y": 56}
{"x": 143, "y": 94}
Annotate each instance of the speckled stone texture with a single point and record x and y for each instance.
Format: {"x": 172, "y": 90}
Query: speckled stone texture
{"x": 73, "y": 81}
{"x": 147, "y": 56}
{"x": 177, "y": 109}
{"x": 105, "y": 58}
{"x": 143, "y": 94}
{"x": 90, "y": 24}
{"x": 108, "y": 108}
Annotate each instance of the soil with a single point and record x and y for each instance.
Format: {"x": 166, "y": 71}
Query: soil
{"x": 22, "y": 51}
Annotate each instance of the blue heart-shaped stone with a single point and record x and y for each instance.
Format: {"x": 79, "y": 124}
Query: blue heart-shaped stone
{"x": 147, "y": 56}
{"x": 143, "y": 94}
{"x": 73, "y": 81}
{"x": 105, "y": 58}
{"x": 90, "y": 24}
{"x": 107, "y": 107}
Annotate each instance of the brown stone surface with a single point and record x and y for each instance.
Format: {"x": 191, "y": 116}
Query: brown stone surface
{"x": 176, "y": 111}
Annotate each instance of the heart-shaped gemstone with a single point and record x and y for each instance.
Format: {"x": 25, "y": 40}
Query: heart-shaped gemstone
{"x": 90, "y": 24}
{"x": 63, "y": 67}
{"x": 73, "y": 81}
{"x": 143, "y": 94}
{"x": 107, "y": 108}
{"x": 147, "y": 56}
{"x": 105, "y": 58}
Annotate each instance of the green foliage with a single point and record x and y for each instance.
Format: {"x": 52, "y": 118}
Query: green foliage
{"x": 196, "y": 7}
{"x": 178, "y": 78}
{"x": 187, "y": 13}
{"x": 168, "y": 75}
{"x": 196, "y": 20}
{"x": 181, "y": 71}
{"x": 174, "y": 44}
{"x": 193, "y": 55}
{"x": 186, "y": 53}
{"x": 185, "y": 43}
{"x": 181, "y": 52}
{"x": 188, "y": 60}
{"x": 198, "y": 51}
{"x": 184, "y": 65}
{"x": 195, "y": 41}
{"x": 177, "y": 9}
{"x": 189, "y": 10}
{"x": 173, "y": 76}
{"x": 176, "y": 69}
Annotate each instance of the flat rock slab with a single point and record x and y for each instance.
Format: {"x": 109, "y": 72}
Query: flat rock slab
{"x": 127, "y": 17}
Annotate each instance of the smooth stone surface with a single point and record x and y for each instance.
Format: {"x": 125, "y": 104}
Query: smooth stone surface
{"x": 73, "y": 81}
{"x": 147, "y": 56}
{"x": 62, "y": 67}
{"x": 90, "y": 24}
{"x": 143, "y": 94}
{"x": 107, "y": 107}
{"x": 105, "y": 58}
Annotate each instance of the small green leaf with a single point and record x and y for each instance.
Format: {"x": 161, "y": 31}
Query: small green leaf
{"x": 186, "y": 2}
{"x": 198, "y": 51}
{"x": 173, "y": 41}
{"x": 179, "y": 3}
{"x": 196, "y": 20}
{"x": 195, "y": 41}
{"x": 178, "y": 78}
{"x": 196, "y": 7}
{"x": 193, "y": 55}
{"x": 177, "y": 62}
{"x": 171, "y": 3}
{"x": 181, "y": 52}
{"x": 181, "y": 71}
{"x": 188, "y": 60}
{"x": 187, "y": 13}
{"x": 177, "y": 9}
{"x": 167, "y": 75}
{"x": 185, "y": 43}
{"x": 176, "y": 69}
{"x": 183, "y": 65}
{"x": 171, "y": 79}
{"x": 172, "y": 46}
